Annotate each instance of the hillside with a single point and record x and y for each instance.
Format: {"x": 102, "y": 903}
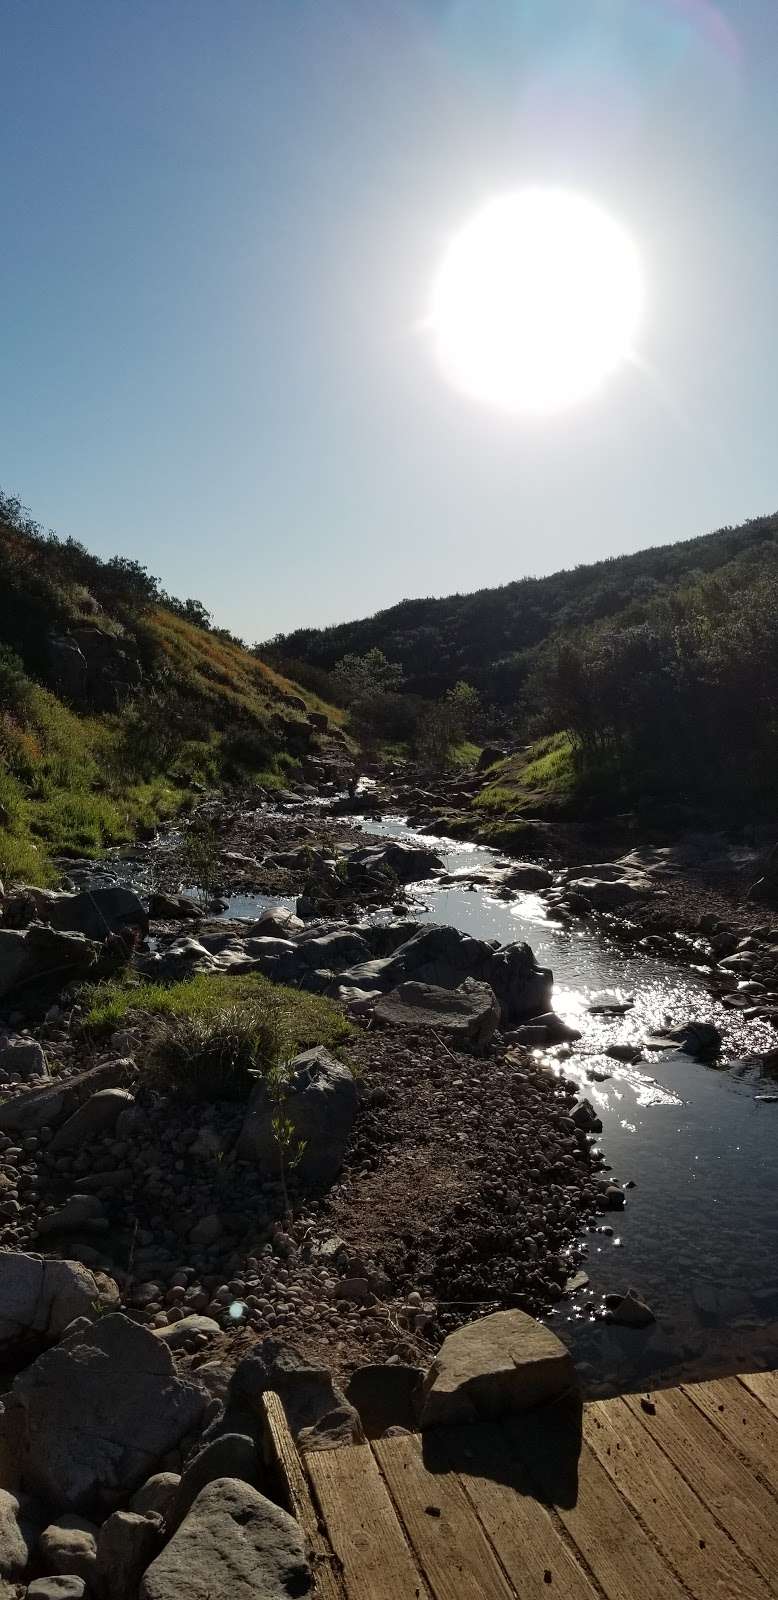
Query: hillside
{"x": 118, "y": 702}
{"x": 488, "y": 638}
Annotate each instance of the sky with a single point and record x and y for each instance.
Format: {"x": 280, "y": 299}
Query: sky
{"x": 221, "y": 223}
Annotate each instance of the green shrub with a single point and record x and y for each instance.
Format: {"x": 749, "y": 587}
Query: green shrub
{"x": 216, "y": 1056}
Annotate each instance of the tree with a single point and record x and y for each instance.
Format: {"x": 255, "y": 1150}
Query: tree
{"x": 372, "y": 673}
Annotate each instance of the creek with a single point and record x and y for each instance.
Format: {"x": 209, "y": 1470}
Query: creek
{"x": 698, "y": 1237}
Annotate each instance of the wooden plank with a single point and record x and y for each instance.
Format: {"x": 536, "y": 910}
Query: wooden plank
{"x": 743, "y": 1506}
{"x": 614, "y": 1546}
{"x": 530, "y": 1545}
{"x": 451, "y": 1547}
{"x": 284, "y": 1457}
{"x": 743, "y": 1421}
{"x": 691, "y": 1540}
{"x": 362, "y": 1525}
{"x": 764, "y": 1385}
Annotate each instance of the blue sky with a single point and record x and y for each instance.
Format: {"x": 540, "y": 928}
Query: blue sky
{"x": 221, "y": 222}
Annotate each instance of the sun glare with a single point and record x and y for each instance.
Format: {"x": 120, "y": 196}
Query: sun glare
{"x": 537, "y": 299}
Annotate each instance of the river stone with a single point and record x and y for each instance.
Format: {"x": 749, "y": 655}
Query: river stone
{"x": 496, "y": 1366}
{"x": 97, "y": 1116}
{"x": 318, "y": 1413}
{"x": 525, "y": 875}
{"x": 126, "y": 1544}
{"x": 41, "y": 953}
{"x": 66, "y": 1586}
{"x": 468, "y": 1016}
{"x": 97, "y": 1414}
{"x": 69, "y": 1545}
{"x": 46, "y": 1108}
{"x": 177, "y": 1335}
{"x": 19, "y": 1529}
{"x": 95, "y": 913}
{"x": 23, "y": 1058}
{"x": 629, "y": 1310}
{"x": 233, "y": 1545}
{"x": 156, "y": 1495}
{"x": 40, "y": 1298}
{"x": 229, "y": 1455}
{"x": 321, "y": 1104}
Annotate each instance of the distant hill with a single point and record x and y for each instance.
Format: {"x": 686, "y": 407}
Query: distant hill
{"x": 118, "y": 701}
{"x": 489, "y": 638}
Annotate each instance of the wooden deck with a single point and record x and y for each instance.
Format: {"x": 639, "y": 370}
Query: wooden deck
{"x": 664, "y": 1498}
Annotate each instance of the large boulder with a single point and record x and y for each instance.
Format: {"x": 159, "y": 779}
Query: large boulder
{"x": 96, "y": 1414}
{"x": 38, "y": 1298}
{"x": 445, "y": 957}
{"x": 522, "y": 987}
{"x": 233, "y": 1545}
{"x": 394, "y": 859}
{"x": 93, "y": 912}
{"x": 321, "y": 1104}
{"x": 610, "y": 894}
{"x": 341, "y": 948}
{"x": 467, "y": 1016}
{"x": 40, "y": 954}
{"x": 493, "y": 1367}
{"x": 47, "y": 1107}
{"x": 19, "y": 1529}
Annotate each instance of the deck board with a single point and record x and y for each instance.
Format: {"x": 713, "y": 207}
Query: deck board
{"x": 739, "y": 1502}
{"x": 743, "y": 1420}
{"x": 450, "y": 1544}
{"x": 363, "y": 1527}
{"x": 672, "y": 1498}
{"x": 687, "y": 1533}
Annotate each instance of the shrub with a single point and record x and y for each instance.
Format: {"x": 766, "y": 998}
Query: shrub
{"x": 218, "y": 1056}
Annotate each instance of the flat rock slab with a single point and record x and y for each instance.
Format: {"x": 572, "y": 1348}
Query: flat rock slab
{"x": 469, "y": 1015}
{"x": 496, "y": 1366}
{"x": 233, "y": 1545}
{"x": 40, "y": 1297}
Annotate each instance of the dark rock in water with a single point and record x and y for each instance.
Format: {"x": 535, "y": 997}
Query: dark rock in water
{"x": 321, "y": 1104}
{"x": 628, "y": 1310}
{"x": 444, "y": 957}
{"x": 557, "y": 1031}
{"x": 468, "y": 1016}
{"x": 233, "y": 1545}
{"x": 172, "y": 907}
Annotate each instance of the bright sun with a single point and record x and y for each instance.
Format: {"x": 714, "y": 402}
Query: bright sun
{"x": 537, "y": 299}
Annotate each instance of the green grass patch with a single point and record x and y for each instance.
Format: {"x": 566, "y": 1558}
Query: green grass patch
{"x": 545, "y": 775}
{"x": 302, "y": 1020}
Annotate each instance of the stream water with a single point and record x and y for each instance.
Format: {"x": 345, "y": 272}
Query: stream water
{"x": 698, "y": 1237}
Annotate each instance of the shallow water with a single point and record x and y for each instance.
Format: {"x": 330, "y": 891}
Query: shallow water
{"x": 698, "y": 1237}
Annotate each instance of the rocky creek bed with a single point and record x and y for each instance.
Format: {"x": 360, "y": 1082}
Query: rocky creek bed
{"x": 509, "y": 1019}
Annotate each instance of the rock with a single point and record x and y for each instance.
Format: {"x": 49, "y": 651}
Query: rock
{"x": 444, "y": 957}
{"x": 386, "y": 1397}
{"x": 83, "y": 1212}
{"x": 624, "y": 1052}
{"x": 696, "y": 1038}
{"x": 39, "y": 1299}
{"x": 156, "y": 1495}
{"x": 408, "y": 863}
{"x": 177, "y": 1335}
{"x": 532, "y": 1035}
{"x": 498, "y": 1365}
{"x": 526, "y": 876}
{"x": 233, "y": 1545}
{"x": 276, "y": 923}
{"x": 126, "y": 1544}
{"x": 629, "y": 1310}
{"x": 490, "y": 754}
{"x": 95, "y": 913}
{"x": 231, "y": 1455}
{"x": 317, "y": 1411}
{"x": 23, "y": 1058}
{"x": 321, "y": 1105}
{"x": 69, "y": 1545}
{"x": 557, "y": 1031}
{"x": 467, "y": 1016}
{"x": 343, "y": 948}
{"x": 97, "y": 1414}
{"x": 40, "y": 954}
{"x": 585, "y": 1117}
{"x": 172, "y": 907}
{"x": 19, "y": 1529}
{"x": 98, "y": 1115}
{"x": 611, "y": 894}
{"x": 65, "y": 1587}
{"x": 319, "y": 721}
{"x": 47, "y": 1107}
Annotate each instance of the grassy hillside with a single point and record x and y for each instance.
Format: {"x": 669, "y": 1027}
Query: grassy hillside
{"x": 116, "y": 706}
{"x": 489, "y": 638}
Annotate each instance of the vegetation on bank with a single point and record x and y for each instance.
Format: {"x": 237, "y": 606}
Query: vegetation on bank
{"x": 215, "y": 1032}
{"x": 647, "y": 683}
{"x": 118, "y": 703}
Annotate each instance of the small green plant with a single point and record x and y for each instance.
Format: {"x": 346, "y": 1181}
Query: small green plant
{"x": 290, "y": 1147}
{"x": 200, "y": 861}
{"x": 215, "y": 1057}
